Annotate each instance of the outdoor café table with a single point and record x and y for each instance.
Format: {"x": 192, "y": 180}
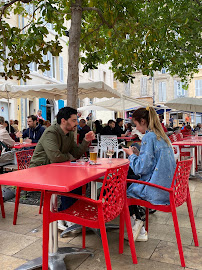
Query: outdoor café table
{"x": 56, "y": 179}
{"x": 102, "y": 163}
{"x": 23, "y": 145}
{"x": 192, "y": 143}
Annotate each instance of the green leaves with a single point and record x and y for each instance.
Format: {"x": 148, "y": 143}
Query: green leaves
{"x": 133, "y": 35}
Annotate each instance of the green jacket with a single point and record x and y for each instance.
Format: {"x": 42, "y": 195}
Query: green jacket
{"x": 54, "y": 147}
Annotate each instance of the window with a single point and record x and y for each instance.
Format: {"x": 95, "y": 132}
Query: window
{"x": 143, "y": 86}
{"x": 162, "y": 91}
{"x": 61, "y": 68}
{"x": 163, "y": 71}
{"x": 45, "y": 58}
{"x": 91, "y": 74}
{"x": 198, "y": 88}
{"x": 179, "y": 91}
{"x": 127, "y": 88}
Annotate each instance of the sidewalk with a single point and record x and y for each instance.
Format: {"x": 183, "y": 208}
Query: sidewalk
{"x": 23, "y": 242}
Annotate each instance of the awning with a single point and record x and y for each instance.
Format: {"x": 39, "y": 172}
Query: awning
{"x": 57, "y": 91}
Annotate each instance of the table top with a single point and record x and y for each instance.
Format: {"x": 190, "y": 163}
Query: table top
{"x": 23, "y": 145}
{"x": 193, "y": 142}
{"x": 102, "y": 163}
{"x": 53, "y": 178}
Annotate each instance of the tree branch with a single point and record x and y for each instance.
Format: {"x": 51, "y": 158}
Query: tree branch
{"x": 99, "y": 13}
{"x": 91, "y": 32}
{"x": 5, "y": 6}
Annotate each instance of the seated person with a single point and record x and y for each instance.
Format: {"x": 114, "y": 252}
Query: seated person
{"x": 154, "y": 163}
{"x": 6, "y": 142}
{"x": 118, "y": 130}
{"x": 34, "y": 132}
{"x": 84, "y": 129}
{"x": 109, "y": 128}
{"x": 57, "y": 145}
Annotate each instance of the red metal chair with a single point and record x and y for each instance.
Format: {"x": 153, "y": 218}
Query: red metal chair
{"x": 23, "y": 161}
{"x": 2, "y": 204}
{"x": 179, "y": 193}
{"x": 95, "y": 213}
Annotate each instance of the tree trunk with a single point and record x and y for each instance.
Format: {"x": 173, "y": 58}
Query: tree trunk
{"x": 74, "y": 45}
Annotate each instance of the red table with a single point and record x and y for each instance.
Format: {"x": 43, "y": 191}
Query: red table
{"x": 53, "y": 178}
{"x": 193, "y": 143}
{"x": 126, "y": 138}
{"x": 23, "y": 145}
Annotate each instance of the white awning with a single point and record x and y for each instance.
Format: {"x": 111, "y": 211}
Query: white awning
{"x": 57, "y": 91}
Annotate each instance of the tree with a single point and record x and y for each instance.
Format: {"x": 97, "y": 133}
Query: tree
{"x": 133, "y": 35}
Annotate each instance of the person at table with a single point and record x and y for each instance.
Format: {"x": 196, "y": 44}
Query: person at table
{"x": 57, "y": 145}
{"x": 98, "y": 127}
{"x": 5, "y": 143}
{"x": 34, "y": 132}
{"x": 39, "y": 115}
{"x": 83, "y": 130}
{"x": 109, "y": 128}
{"x": 155, "y": 163}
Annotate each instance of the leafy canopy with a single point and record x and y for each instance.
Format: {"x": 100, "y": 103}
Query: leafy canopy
{"x": 134, "y": 35}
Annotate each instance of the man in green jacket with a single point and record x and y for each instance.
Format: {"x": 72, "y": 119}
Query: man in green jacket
{"x": 57, "y": 145}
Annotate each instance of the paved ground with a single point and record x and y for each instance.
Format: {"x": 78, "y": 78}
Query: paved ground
{"x": 22, "y": 242}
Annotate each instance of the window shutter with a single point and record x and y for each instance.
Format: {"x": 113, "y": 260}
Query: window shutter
{"x": 164, "y": 91}
{"x": 160, "y": 92}
{"x": 143, "y": 86}
{"x": 60, "y": 104}
{"x": 50, "y": 72}
{"x": 175, "y": 89}
{"x": 61, "y": 68}
{"x": 42, "y": 106}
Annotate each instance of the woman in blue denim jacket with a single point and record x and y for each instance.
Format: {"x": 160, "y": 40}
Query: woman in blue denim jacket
{"x": 155, "y": 162}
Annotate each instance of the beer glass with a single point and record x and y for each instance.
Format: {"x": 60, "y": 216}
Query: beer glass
{"x": 93, "y": 154}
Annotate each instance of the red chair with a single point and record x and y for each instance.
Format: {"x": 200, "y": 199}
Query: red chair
{"x": 23, "y": 161}
{"x": 179, "y": 193}
{"x": 2, "y": 204}
{"x": 95, "y": 213}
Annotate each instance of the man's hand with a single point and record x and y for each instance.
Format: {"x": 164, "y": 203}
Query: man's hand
{"x": 28, "y": 140}
{"x": 18, "y": 134}
{"x": 89, "y": 136}
{"x": 128, "y": 151}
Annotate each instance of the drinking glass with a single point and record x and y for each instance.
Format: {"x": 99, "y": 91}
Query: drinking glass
{"x": 93, "y": 154}
{"x": 110, "y": 152}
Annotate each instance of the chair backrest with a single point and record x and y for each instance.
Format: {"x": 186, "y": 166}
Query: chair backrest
{"x": 24, "y": 158}
{"x": 173, "y": 138}
{"x": 106, "y": 141}
{"x": 176, "y": 151}
{"x": 179, "y": 136}
{"x": 180, "y": 181}
{"x": 113, "y": 192}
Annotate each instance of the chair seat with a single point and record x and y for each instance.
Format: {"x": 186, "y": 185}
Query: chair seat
{"x": 82, "y": 210}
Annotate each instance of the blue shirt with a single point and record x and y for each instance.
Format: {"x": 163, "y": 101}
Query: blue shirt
{"x": 155, "y": 164}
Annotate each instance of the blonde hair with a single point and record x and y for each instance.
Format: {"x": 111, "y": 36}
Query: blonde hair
{"x": 153, "y": 122}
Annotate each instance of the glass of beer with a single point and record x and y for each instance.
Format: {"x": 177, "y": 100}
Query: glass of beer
{"x": 93, "y": 154}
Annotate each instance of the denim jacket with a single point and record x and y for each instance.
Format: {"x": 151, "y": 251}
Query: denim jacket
{"x": 155, "y": 164}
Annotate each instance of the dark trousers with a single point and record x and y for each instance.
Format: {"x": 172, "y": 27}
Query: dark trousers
{"x": 66, "y": 202}
{"x": 133, "y": 209}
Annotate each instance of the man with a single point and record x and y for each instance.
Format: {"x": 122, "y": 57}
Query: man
{"x": 34, "y": 132}
{"x": 6, "y": 142}
{"x": 57, "y": 145}
{"x": 84, "y": 129}
{"x": 171, "y": 120}
{"x": 109, "y": 128}
{"x": 39, "y": 115}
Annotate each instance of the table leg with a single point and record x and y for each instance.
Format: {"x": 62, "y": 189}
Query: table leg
{"x": 194, "y": 160}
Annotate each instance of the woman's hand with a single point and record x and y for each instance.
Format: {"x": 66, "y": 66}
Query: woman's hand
{"x": 128, "y": 151}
